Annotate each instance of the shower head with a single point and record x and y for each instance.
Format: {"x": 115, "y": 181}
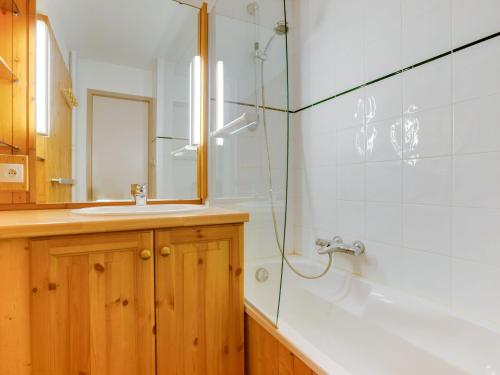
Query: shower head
{"x": 281, "y": 28}
{"x": 252, "y": 8}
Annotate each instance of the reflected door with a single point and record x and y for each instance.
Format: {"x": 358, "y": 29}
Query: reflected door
{"x": 119, "y": 146}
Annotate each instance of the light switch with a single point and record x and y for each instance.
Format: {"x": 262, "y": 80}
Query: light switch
{"x": 11, "y": 173}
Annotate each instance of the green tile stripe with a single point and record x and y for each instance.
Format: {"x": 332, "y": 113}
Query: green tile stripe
{"x": 448, "y": 53}
{"x": 252, "y": 105}
{"x": 400, "y": 71}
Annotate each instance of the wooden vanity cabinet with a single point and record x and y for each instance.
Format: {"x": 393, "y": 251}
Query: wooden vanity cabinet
{"x": 199, "y": 310}
{"x": 139, "y": 303}
{"x": 93, "y": 304}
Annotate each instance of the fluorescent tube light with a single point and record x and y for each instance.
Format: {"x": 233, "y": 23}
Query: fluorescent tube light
{"x": 220, "y": 100}
{"x": 195, "y": 102}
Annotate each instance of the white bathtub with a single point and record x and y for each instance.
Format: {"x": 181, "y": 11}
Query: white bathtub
{"x": 350, "y": 326}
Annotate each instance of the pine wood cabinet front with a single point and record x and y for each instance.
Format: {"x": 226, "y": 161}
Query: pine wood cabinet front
{"x": 94, "y": 297}
{"x": 93, "y": 305}
{"x": 199, "y": 287}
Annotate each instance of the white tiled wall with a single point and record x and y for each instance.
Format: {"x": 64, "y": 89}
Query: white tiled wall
{"x": 411, "y": 164}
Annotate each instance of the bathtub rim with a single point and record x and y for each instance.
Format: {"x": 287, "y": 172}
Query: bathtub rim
{"x": 483, "y": 323}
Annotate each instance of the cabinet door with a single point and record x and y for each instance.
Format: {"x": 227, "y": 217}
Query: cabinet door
{"x": 199, "y": 292}
{"x": 93, "y": 305}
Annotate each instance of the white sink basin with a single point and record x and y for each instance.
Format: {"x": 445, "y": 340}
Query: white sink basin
{"x": 156, "y": 209}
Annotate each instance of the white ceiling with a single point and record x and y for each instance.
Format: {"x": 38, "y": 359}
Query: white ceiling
{"x": 132, "y": 33}
{"x": 269, "y": 11}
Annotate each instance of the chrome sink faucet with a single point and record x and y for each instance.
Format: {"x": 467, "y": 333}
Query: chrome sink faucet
{"x": 337, "y": 245}
{"x": 140, "y": 194}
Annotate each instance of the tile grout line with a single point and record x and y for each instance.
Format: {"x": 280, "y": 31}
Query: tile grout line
{"x": 419, "y": 204}
{"x": 430, "y": 252}
{"x": 437, "y": 156}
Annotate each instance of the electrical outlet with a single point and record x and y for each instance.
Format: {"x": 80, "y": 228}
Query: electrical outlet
{"x": 11, "y": 173}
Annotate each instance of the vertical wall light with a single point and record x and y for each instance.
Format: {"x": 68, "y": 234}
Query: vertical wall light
{"x": 194, "y": 108}
{"x": 220, "y": 100}
{"x": 195, "y": 102}
{"x": 42, "y": 78}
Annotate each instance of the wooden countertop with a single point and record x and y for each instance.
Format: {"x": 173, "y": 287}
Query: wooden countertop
{"x": 41, "y": 223}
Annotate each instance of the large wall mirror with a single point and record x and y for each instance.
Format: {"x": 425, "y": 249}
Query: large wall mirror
{"x": 119, "y": 100}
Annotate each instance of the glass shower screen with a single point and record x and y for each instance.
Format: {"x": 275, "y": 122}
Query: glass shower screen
{"x": 249, "y": 135}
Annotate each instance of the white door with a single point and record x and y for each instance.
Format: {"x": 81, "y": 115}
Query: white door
{"x": 119, "y": 146}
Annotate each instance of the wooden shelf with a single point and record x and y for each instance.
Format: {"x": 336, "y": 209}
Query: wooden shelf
{"x": 9, "y": 6}
{"x": 6, "y": 71}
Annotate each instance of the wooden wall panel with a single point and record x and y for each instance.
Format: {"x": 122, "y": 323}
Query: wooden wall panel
{"x": 15, "y": 353}
{"x": 59, "y": 153}
{"x": 17, "y": 111}
{"x": 6, "y": 86}
{"x": 15, "y": 99}
{"x": 31, "y": 99}
{"x": 57, "y": 156}
{"x": 20, "y": 88}
{"x": 265, "y": 355}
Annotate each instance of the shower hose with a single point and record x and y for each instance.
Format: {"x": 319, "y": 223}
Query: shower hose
{"x": 271, "y": 196}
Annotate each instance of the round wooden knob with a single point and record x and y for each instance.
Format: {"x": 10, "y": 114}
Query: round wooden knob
{"x": 165, "y": 251}
{"x": 145, "y": 254}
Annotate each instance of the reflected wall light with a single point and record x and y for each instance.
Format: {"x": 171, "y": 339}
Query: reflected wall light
{"x": 42, "y": 78}
{"x": 220, "y": 100}
{"x": 194, "y": 109}
{"x": 195, "y": 102}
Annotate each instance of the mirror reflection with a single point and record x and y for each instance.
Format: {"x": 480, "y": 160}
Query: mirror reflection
{"x": 117, "y": 100}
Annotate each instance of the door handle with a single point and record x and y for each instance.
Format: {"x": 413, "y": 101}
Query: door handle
{"x": 145, "y": 254}
{"x": 165, "y": 251}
